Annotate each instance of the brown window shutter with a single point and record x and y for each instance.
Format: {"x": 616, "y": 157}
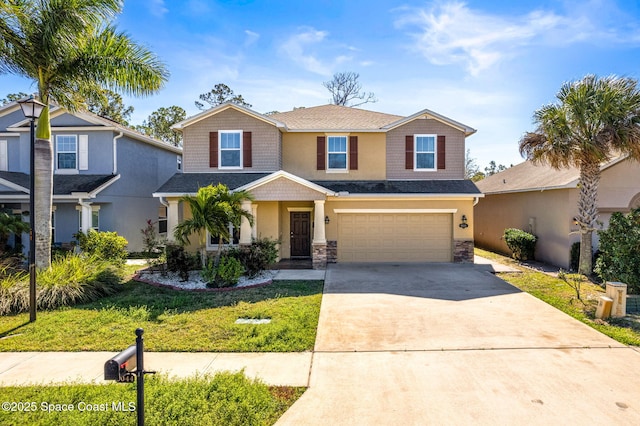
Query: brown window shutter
{"x": 408, "y": 152}
{"x": 213, "y": 149}
{"x": 353, "y": 153}
{"x": 322, "y": 147}
{"x": 441, "y": 152}
{"x": 246, "y": 149}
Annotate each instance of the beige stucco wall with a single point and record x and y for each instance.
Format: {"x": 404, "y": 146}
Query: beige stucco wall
{"x": 455, "y": 150}
{"x": 265, "y": 142}
{"x": 619, "y": 185}
{"x": 299, "y": 155}
{"x": 551, "y": 211}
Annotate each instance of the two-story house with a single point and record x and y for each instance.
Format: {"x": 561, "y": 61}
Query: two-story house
{"x": 104, "y": 173}
{"x": 336, "y": 184}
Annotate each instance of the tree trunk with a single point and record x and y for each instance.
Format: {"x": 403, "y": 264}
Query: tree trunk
{"x": 43, "y": 196}
{"x": 587, "y": 213}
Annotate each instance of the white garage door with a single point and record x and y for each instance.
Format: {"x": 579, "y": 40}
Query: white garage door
{"x": 394, "y": 237}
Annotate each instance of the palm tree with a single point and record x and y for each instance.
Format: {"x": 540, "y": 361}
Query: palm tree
{"x": 70, "y": 51}
{"x": 594, "y": 120}
{"x": 212, "y": 209}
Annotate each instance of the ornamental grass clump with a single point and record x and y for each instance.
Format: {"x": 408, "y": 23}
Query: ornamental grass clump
{"x": 70, "y": 280}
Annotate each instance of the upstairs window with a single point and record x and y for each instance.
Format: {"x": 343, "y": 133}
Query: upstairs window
{"x": 337, "y": 153}
{"x": 66, "y": 152}
{"x": 230, "y": 149}
{"x": 425, "y": 152}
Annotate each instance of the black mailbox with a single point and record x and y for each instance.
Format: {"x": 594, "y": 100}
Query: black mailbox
{"x": 122, "y": 366}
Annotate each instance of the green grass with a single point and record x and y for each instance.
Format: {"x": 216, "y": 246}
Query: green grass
{"x": 560, "y": 295}
{"x": 176, "y": 321}
{"x": 223, "y": 399}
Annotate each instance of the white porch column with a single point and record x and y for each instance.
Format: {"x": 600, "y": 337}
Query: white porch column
{"x": 318, "y": 227}
{"x": 254, "y": 228}
{"x": 172, "y": 218}
{"x": 245, "y": 226}
{"x": 85, "y": 215}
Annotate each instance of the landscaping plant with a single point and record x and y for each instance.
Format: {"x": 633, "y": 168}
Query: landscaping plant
{"x": 178, "y": 260}
{"x": 619, "y": 258}
{"x": 257, "y": 257}
{"x": 153, "y": 244}
{"x": 70, "y": 280}
{"x": 522, "y": 244}
{"x": 228, "y": 272}
{"x": 105, "y": 245}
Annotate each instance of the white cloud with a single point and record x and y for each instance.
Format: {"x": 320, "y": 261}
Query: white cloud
{"x": 452, "y": 33}
{"x": 312, "y": 50}
{"x": 157, "y": 8}
{"x": 251, "y": 38}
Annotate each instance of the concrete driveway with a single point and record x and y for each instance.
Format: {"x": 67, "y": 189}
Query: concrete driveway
{"x": 453, "y": 344}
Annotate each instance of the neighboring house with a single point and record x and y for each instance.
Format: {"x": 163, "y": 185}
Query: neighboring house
{"x": 334, "y": 183}
{"x": 544, "y": 201}
{"x": 104, "y": 174}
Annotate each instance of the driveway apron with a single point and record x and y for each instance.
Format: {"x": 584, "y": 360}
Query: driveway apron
{"x": 453, "y": 344}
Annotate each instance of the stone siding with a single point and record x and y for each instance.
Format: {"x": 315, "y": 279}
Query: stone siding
{"x": 319, "y": 256}
{"x": 463, "y": 251}
{"x": 332, "y": 252}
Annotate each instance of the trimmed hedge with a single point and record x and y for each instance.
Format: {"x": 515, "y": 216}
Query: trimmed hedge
{"x": 521, "y": 243}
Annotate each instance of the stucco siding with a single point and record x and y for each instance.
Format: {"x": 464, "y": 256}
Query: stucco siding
{"x": 68, "y": 120}
{"x": 547, "y": 214}
{"x": 11, "y": 118}
{"x": 455, "y": 150}
{"x": 619, "y": 184}
{"x": 299, "y": 153}
{"x": 265, "y": 138}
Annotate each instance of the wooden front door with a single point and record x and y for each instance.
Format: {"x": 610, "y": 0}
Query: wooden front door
{"x": 300, "y": 234}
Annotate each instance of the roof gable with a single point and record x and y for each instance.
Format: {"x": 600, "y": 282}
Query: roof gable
{"x": 428, "y": 114}
{"x": 223, "y": 107}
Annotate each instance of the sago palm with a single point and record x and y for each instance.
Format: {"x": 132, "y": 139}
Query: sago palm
{"x": 212, "y": 209}
{"x": 593, "y": 120}
{"x": 70, "y": 50}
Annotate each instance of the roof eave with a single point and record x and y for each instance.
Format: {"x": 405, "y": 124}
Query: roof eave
{"x": 222, "y": 107}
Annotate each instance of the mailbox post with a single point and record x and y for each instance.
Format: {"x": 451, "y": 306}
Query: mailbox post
{"x": 126, "y": 367}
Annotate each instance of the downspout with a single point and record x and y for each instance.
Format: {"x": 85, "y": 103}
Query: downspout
{"x": 164, "y": 202}
{"x": 475, "y": 201}
{"x": 115, "y": 153}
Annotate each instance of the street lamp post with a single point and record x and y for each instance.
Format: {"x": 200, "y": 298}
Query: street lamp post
{"x": 32, "y": 110}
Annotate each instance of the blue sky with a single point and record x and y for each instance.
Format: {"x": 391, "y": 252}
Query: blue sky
{"x": 488, "y": 64}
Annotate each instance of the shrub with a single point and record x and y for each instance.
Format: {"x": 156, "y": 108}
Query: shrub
{"x": 71, "y": 279}
{"x": 228, "y": 272}
{"x": 574, "y": 256}
{"x": 105, "y": 245}
{"x": 178, "y": 260}
{"x": 153, "y": 244}
{"x": 209, "y": 271}
{"x": 522, "y": 244}
{"x": 619, "y": 254}
{"x": 257, "y": 257}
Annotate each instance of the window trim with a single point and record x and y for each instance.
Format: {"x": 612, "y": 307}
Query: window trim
{"x": 163, "y": 219}
{"x": 435, "y": 153}
{"x": 58, "y": 170}
{"x": 179, "y": 162}
{"x": 211, "y": 247}
{"x": 241, "y": 159}
{"x": 346, "y": 155}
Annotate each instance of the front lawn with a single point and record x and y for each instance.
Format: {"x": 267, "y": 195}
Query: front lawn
{"x": 223, "y": 399}
{"x": 560, "y": 295}
{"x": 176, "y": 321}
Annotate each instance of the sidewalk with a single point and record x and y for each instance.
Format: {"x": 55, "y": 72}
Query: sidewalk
{"x": 44, "y": 368}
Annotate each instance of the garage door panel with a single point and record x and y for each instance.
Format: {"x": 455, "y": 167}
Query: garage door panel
{"x": 394, "y": 237}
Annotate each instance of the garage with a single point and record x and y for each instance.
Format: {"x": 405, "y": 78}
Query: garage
{"x": 395, "y": 237}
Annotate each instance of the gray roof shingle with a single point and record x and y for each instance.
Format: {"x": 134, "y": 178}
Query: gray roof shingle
{"x": 188, "y": 183}
{"x": 62, "y": 184}
{"x": 402, "y": 186}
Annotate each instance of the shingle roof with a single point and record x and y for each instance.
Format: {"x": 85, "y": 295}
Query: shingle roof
{"x": 528, "y": 177}
{"x": 401, "y": 186}
{"x": 188, "y": 183}
{"x": 334, "y": 117}
{"x": 62, "y": 184}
